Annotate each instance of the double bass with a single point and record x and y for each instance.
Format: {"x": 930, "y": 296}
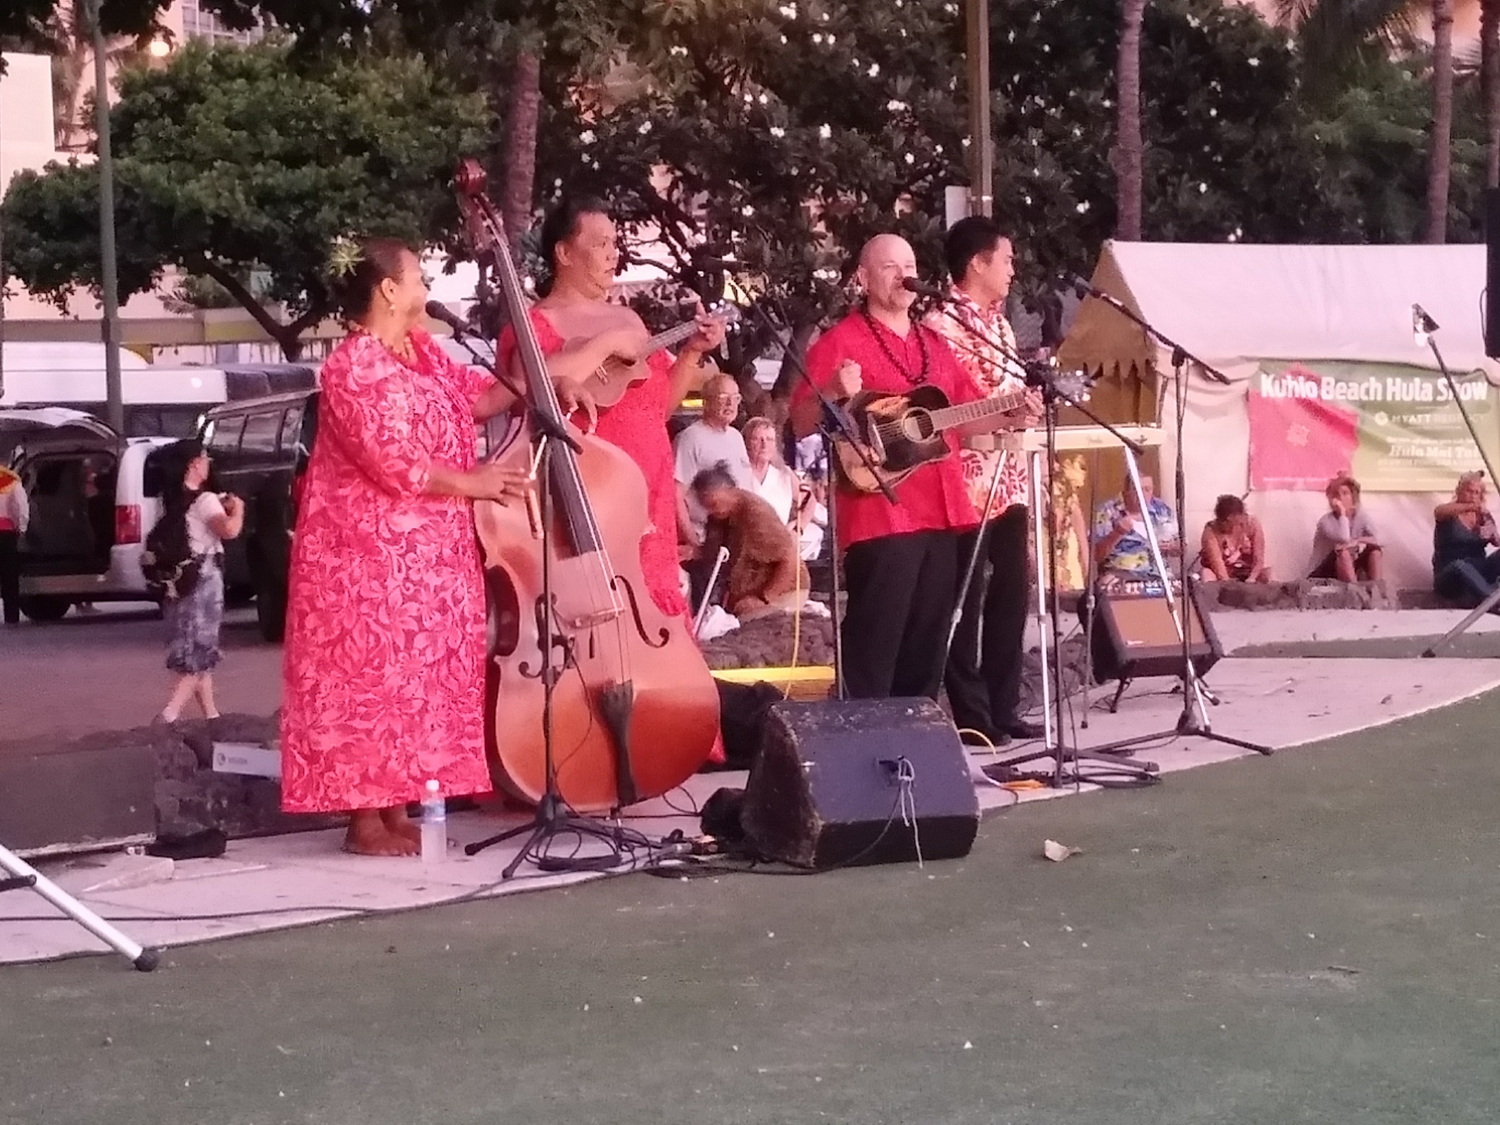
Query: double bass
{"x": 633, "y": 711}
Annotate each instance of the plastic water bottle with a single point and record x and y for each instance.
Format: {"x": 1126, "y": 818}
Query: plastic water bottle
{"x": 434, "y": 824}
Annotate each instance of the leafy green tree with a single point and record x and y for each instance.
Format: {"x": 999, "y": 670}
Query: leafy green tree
{"x": 229, "y": 162}
{"x": 30, "y": 24}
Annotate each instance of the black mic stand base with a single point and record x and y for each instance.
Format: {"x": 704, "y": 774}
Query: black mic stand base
{"x": 1188, "y": 726}
{"x": 551, "y": 819}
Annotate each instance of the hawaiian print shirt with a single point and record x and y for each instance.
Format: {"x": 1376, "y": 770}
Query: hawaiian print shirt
{"x": 970, "y": 336}
{"x": 1132, "y": 554}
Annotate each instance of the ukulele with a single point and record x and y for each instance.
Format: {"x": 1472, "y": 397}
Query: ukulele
{"x": 903, "y": 432}
{"x": 609, "y": 382}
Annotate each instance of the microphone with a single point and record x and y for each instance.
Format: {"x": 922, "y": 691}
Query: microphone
{"x": 441, "y": 312}
{"x": 923, "y": 289}
{"x": 1422, "y": 325}
{"x": 1081, "y": 287}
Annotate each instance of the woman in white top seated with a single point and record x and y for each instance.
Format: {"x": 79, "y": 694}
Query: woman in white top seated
{"x": 770, "y": 479}
{"x": 194, "y": 619}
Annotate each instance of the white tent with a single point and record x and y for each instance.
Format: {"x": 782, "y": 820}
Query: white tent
{"x": 1233, "y": 306}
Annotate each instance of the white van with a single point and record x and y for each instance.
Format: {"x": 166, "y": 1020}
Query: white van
{"x": 92, "y": 501}
{"x": 158, "y": 400}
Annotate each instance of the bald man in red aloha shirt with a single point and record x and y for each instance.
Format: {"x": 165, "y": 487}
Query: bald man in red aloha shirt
{"x": 901, "y": 561}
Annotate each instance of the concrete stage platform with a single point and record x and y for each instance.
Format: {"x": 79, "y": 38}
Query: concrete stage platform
{"x": 303, "y": 879}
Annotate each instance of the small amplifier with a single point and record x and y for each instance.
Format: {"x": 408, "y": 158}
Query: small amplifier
{"x": 1134, "y": 636}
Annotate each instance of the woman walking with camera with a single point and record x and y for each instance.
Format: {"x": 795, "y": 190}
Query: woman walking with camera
{"x": 196, "y": 616}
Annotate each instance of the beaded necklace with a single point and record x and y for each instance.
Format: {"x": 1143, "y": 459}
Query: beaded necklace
{"x": 914, "y": 380}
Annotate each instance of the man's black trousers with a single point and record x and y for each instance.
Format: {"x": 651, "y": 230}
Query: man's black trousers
{"x": 901, "y": 592}
{"x": 983, "y": 677}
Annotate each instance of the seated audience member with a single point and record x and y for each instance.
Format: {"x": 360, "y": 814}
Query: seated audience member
{"x": 1234, "y": 545}
{"x": 771, "y": 480}
{"x": 765, "y": 572}
{"x": 1345, "y": 545}
{"x": 1120, "y": 546}
{"x": 1462, "y": 532}
{"x": 811, "y": 517}
{"x": 710, "y": 441}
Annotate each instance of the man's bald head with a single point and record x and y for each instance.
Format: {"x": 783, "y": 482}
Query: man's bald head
{"x": 884, "y": 262}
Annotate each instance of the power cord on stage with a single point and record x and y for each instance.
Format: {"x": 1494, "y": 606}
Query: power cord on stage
{"x": 670, "y": 847}
{"x": 751, "y": 864}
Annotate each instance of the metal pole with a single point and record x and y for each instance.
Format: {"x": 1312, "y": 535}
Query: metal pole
{"x": 109, "y": 327}
{"x": 981, "y": 144}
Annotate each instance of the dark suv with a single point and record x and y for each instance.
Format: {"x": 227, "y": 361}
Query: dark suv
{"x": 259, "y": 448}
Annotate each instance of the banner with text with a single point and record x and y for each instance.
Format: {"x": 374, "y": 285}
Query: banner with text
{"x": 1395, "y": 428}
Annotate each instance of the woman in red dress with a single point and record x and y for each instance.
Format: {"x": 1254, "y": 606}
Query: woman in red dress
{"x": 385, "y": 641}
{"x": 578, "y": 243}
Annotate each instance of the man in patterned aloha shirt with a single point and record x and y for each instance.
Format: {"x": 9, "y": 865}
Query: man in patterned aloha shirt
{"x": 983, "y": 676}
{"x": 1120, "y": 546}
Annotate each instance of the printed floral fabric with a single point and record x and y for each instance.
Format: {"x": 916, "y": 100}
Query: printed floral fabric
{"x": 385, "y": 641}
{"x": 1132, "y": 553}
{"x": 971, "y": 336}
{"x": 638, "y": 425}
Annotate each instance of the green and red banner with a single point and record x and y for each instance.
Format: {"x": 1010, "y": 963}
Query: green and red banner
{"x": 1395, "y": 428}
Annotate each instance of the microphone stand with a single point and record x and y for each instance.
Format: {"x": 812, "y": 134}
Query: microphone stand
{"x": 834, "y": 423}
{"x": 1424, "y": 325}
{"x": 1194, "y": 691}
{"x": 552, "y": 816}
{"x": 1053, "y": 702}
{"x": 534, "y": 417}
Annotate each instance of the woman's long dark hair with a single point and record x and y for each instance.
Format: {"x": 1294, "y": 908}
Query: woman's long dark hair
{"x": 173, "y": 461}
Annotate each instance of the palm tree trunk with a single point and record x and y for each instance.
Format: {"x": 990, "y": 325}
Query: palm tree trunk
{"x": 1489, "y": 85}
{"x": 1129, "y": 153}
{"x": 520, "y": 147}
{"x": 1439, "y": 155}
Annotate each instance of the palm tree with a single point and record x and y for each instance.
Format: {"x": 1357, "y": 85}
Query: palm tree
{"x": 1128, "y": 157}
{"x": 1440, "y": 143}
{"x": 68, "y": 37}
{"x": 520, "y": 145}
{"x": 1337, "y": 36}
{"x": 1489, "y": 86}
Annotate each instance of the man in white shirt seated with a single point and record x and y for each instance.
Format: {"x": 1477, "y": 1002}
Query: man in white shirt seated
{"x": 707, "y": 442}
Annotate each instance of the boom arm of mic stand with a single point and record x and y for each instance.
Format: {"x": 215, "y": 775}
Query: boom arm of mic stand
{"x": 1129, "y": 443}
{"x": 1459, "y": 402}
{"x": 1130, "y": 314}
{"x": 834, "y": 416}
{"x": 1000, "y": 346}
{"x": 537, "y": 419}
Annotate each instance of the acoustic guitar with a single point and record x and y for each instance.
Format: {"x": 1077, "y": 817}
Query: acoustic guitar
{"x": 903, "y": 432}
{"x": 609, "y": 382}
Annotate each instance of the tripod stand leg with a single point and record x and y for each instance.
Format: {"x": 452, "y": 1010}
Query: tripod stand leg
{"x": 25, "y": 875}
{"x": 1114, "y": 704}
{"x": 1475, "y": 614}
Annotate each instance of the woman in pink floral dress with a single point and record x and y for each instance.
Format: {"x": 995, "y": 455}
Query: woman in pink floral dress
{"x": 384, "y": 667}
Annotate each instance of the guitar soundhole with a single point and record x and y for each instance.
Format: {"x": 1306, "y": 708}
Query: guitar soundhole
{"x": 919, "y": 426}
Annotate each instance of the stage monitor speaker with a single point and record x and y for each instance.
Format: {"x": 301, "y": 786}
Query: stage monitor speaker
{"x": 1492, "y": 273}
{"x": 826, "y": 787}
{"x": 1134, "y": 636}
